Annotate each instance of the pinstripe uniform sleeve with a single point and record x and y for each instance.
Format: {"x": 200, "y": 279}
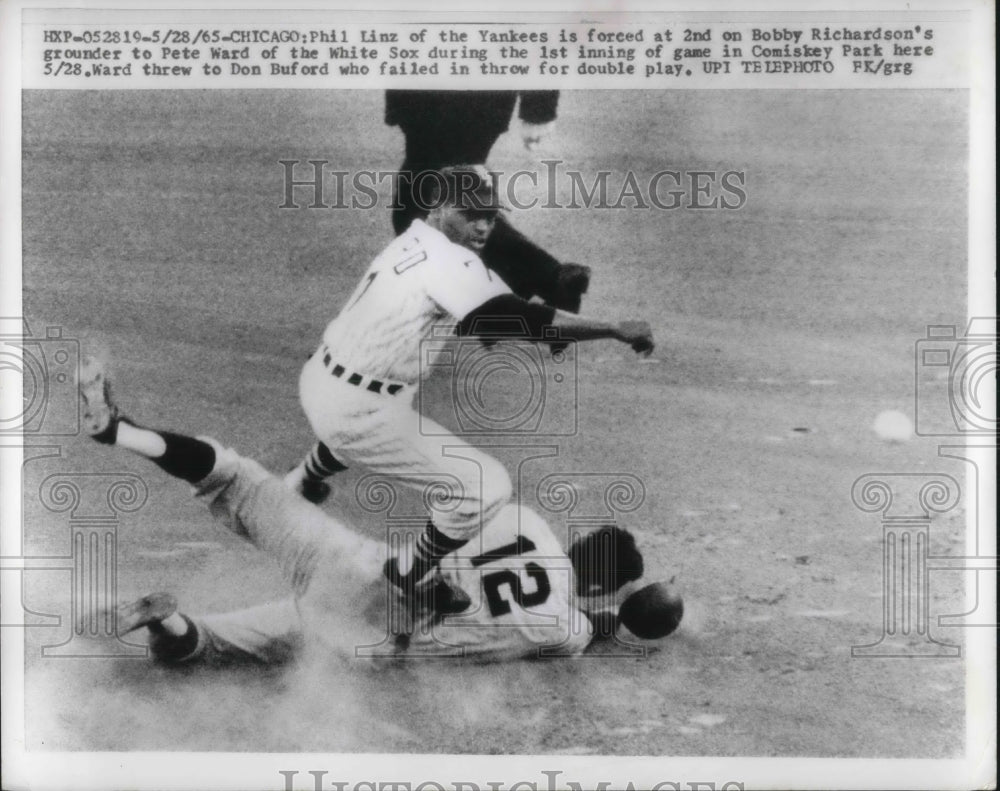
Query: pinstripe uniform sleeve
{"x": 459, "y": 282}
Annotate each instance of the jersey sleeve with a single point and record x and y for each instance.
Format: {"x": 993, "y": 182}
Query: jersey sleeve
{"x": 460, "y": 282}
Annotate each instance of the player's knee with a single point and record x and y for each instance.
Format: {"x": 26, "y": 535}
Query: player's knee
{"x": 476, "y": 503}
{"x": 496, "y": 490}
{"x": 229, "y": 485}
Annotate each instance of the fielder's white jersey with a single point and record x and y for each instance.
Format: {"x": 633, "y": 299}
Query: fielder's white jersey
{"x": 522, "y": 588}
{"x": 420, "y": 280}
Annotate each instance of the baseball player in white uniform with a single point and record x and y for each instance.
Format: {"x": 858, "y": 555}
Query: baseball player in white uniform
{"x": 520, "y": 595}
{"x": 358, "y": 389}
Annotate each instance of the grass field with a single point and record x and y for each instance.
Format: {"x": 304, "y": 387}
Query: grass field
{"x": 151, "y": 232}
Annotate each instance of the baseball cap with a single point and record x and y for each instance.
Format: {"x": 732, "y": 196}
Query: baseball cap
{"x": 652, "y": 612}
{"x": 464, "y": 186}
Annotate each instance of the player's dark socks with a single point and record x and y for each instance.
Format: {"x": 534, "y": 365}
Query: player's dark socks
{"x": 186, "y": 457}
{"x": 109, "y": 436}
{"x": 173, "y": 648}
{"x": 321, "y": 463}
{"x": 432, "y": 545}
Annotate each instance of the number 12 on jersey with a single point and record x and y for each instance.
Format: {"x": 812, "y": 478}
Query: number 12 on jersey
{"x": 529, "y": 586}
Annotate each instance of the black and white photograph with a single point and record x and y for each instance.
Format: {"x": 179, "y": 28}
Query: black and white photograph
{"x": 546, "y": 397}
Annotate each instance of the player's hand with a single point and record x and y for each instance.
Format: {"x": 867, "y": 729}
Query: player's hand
{"x": 638, "y": 335}
{"x": 535, "y": 136}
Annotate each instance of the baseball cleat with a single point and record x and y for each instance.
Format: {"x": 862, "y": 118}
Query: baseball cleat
{"x": 147, "y": 611}
{"x": 432, "y": 593}
{"x": 314, "y": 491}
{"x": 447, "y": 599}
{"x": 100, "y": 412}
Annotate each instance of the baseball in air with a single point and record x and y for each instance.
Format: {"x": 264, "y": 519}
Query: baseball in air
{"x": 893, "y": 426}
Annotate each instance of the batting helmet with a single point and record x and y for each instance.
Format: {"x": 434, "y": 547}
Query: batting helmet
{"x": 652, "y": 612}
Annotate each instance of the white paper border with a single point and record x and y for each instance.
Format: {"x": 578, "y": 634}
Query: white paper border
{"x": 246, "y": 771}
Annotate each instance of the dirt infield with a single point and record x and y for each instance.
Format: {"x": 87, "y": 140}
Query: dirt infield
{"x": 152, "y": 231}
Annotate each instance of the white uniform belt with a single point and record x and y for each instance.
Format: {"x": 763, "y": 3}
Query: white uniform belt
{"x": 363, "y": 381}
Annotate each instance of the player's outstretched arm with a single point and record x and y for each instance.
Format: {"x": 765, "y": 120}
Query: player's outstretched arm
{"x": 637, "y": 334}
{"x": 502, "y": 310}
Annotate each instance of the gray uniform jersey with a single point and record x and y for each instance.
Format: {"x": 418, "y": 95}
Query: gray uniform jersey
{"x": 519, "y": 579}
{"x": 522, "y": 588}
